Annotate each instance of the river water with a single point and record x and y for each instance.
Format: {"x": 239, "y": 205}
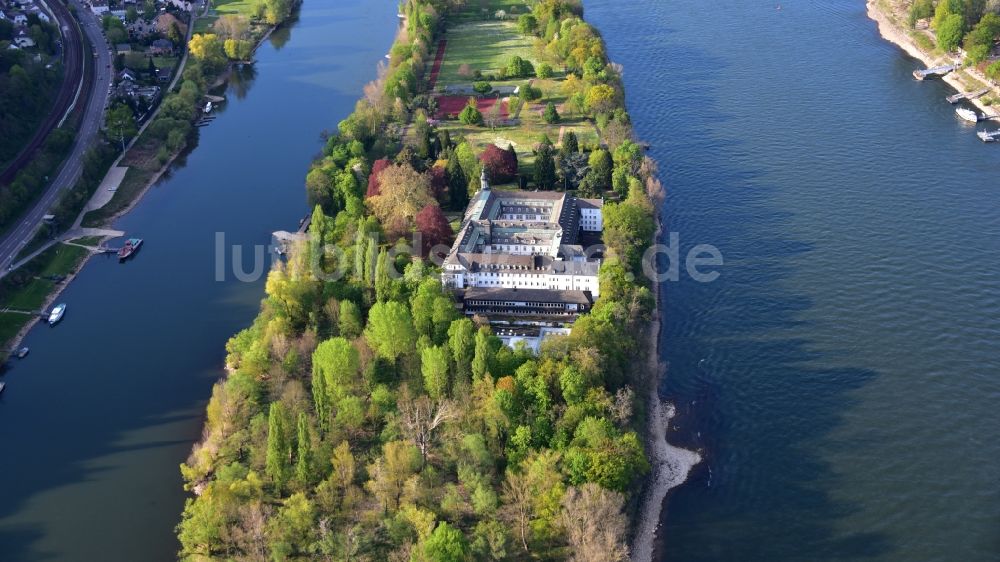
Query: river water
{"x": 95, "y": 422}
{"x": 842, "y": 377}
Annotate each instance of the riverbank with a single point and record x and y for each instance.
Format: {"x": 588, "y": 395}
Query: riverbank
{"x": 669, "y": 465}
{"x": 69, "y": 274}
{"x": 130, "y": 199}
{"x": 894, "y": 32}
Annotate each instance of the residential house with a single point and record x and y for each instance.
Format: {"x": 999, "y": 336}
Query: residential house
{"x": 23, "y": 40}
{"x": 164, "y": 22}
{"x": 161, "y": 47}
{"x": 40, "y": 13}
{"x": 20, "y": 19}
{"x": 123, "y": 48}
{"x": 99, "y": 7}
{"x": 128, "y": 74}
{"x": 180, "y": 4}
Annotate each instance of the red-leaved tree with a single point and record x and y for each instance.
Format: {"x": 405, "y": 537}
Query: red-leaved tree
{"x": 439, "y": 183}
{"x": 501, "y": 166}
{"x": 434, "y": 229}
{"x": 374, "y": 188}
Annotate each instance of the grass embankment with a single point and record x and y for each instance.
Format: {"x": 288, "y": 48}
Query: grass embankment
{"x": 28, "y": 291}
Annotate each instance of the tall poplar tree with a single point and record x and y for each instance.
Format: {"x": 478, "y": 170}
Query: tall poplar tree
{"x": 279, "y": 448}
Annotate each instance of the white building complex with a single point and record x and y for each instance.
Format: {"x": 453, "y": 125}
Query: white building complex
{"x": 523, "y": 246}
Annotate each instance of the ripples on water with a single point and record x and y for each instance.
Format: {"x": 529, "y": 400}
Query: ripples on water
{"x": 843, "y": 375}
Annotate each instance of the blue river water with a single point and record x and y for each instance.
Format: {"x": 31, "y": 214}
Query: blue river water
{"x": 95, "y": 422}
{"x": 842, "y": 377}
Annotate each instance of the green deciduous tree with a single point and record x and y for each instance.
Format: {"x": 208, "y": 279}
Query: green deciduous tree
{"x": 390, "y": 330}
{"x": 950, "y": 31}
{"x": 445, "y": 544}
{"x": 434, "y": 368}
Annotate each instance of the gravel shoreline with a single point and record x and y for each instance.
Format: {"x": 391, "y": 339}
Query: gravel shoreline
{"x": 669, "y": 465}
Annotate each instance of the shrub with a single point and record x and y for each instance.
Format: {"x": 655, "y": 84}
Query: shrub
{"x": 545, "y": 70}
{"x": 471, "y": 114}
{"x": 550, "y": 115}
{"x": 530, "y": 93}
{"x": 482, "y": 87}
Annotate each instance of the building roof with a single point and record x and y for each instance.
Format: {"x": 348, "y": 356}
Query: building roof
{"x": 590, "y": 203}
{"x": 528, "y": 295}
{"x": 525, "y": 264}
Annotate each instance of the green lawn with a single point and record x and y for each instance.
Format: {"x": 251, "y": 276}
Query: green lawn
{"x": 60, "y": 259}
{"x": 30, "y": 297}
{"x": 238, "y": 7}
{"x": 485, "y": 46}
{"x": 244, "y": 8}
{"x": 10, "y": 325}
{"x": 87, "y": 240}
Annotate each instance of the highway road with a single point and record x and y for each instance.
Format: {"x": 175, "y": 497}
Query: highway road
{"x": 19, "y": 236}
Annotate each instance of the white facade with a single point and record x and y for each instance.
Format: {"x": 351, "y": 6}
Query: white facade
{"x": 527, "y": 280}
{"x": 591, "y": 218}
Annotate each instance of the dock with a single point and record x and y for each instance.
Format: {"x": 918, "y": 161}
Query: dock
{"x": 934, "y": 71}
{"x": 967, "y": 95}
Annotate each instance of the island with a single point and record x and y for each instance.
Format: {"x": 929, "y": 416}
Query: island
{"x": 457, "y": 359}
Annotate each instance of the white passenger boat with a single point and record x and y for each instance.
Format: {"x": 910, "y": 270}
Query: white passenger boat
{"x": 57, "y": 314}
{"x": 967, "y": 114}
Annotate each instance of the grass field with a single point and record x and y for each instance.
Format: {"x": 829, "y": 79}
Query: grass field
{"x": 485, "y": 46}
{"x": 60, "y": 259}
{"x": 477, "y": 38}
{"x": 224, "y": 7}
{"x": 10, "y": 324}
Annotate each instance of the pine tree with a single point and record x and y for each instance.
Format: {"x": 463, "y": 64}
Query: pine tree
{"x": 570, "y": 144}
{"x": 513, "y": 153}
{"x": 458, "y": 191}
{"x": 303, "y": 466}
{"x": 278, "y": 447}
{"x": 545, "y": 168}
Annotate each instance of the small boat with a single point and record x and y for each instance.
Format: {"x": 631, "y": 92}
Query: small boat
{"x": 989, "y": 136}
{"x": 208, "y": 107}
{"x": 131, "y": 246}
{"x": 21, "y": 353}
{"x": 3, "y": 385}
{"x": 57, "y": 313}
{"x": 967, "y": 114}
